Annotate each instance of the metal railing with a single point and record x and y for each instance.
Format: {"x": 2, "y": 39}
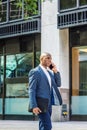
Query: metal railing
{"x": 72, "y": 18}
{"x": 20, "y": 28}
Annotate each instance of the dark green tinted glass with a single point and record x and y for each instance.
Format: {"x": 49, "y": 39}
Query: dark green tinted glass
{"x": 66, "y": 4}
{"x": 3, "y": 11}
{"x": 82, "y": 2}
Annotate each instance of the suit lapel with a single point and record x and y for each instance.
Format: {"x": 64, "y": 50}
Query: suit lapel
{"x": 43, "y": 75}
{"x": 56, "y": 93}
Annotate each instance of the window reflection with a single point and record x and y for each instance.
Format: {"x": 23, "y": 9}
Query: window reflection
{"x": 67, "y": 4}
{"x": 15, "y": 9}
{"x": 1, "y": 82}
{"x": 18, "y": 9}
{"x": 83, "y": 71}
{"x": 3, "y": 11}
{"x": 17, "y": 90}
{"x": 1, "y": 75}
{"x": 79, "y": 71}
{"x": 79, "y": 81}
{"x": 83, "y": 2}
{"x": 18, "y": 65}
{"x": 17, "y": 69}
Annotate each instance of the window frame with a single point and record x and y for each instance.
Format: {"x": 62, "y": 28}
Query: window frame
{"x": 70, "y": 9}
{"x": 22, "y": 14}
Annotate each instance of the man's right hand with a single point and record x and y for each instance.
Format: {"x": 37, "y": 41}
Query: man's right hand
{"x": 36, "y": 110}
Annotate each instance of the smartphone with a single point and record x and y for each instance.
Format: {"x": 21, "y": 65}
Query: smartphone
{"x": 51, "y": 66}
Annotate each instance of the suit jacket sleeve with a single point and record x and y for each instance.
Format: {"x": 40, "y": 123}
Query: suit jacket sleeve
{"x": 57, "y": 78}
{"x": 33, "y": 81}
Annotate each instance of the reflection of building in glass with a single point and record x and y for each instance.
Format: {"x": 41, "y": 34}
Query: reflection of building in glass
{"x": 17, "y": 9}
{"x": 18, "y": 65}
{"x": 17, "y": 90}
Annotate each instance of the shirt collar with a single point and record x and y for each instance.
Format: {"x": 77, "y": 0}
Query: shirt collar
{"x": 43, "y": 68}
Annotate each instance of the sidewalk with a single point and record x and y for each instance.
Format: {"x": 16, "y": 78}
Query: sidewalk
{"x": 33, "y": 125}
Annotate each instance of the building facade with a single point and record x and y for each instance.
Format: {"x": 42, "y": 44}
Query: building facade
{"x": 58, "y": 27}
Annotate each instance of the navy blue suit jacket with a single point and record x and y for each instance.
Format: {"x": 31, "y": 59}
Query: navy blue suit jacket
{"x": 39, "y": 85}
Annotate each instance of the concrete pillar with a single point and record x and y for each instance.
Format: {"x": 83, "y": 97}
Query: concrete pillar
{"x": 56, "y": 42}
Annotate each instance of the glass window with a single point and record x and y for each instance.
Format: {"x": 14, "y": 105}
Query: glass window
{"x": 3, "y": 11}
{"x": 78, "y": 36}
{"x": 79, "y": 81}
{"x": 82, "y": 2}
{"x": 19, "y": 57}
{"x": 30, "y": 8}
{"x": 17, "y": 69}
{"x": 1, "y": 81}
{"x": 83, "y": 71}
{"x": 1, "y": 74}
{"x": 18, "y": 65}
{"x": 67, "y": 4}
{"x": 15, "y": 9}
{"x": 17, "y": 106}
{"x": 18, "y": 9}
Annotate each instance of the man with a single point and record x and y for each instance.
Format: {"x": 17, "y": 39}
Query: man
{"x": 43, "y": 81}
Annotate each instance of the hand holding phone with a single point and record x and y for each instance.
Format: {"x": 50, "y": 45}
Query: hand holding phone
{"x": 51, "y": 66}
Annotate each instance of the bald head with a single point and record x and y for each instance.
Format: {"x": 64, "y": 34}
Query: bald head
{"x": 45, "y": 54}
{"x": 45, "y": 59}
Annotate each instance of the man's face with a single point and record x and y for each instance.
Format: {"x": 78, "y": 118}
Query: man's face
{"x": 46, "y": 61}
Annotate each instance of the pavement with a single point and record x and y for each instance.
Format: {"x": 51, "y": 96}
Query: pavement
{"x": 33, "y": 125}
